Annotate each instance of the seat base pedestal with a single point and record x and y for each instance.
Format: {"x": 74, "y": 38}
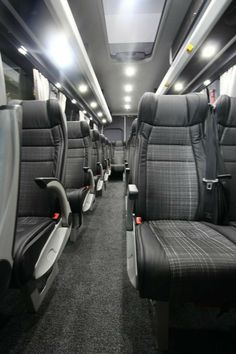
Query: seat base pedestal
{"x": 160, "y": 313}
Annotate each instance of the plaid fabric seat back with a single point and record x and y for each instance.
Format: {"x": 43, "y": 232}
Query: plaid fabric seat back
{"x": 170, "y": 158}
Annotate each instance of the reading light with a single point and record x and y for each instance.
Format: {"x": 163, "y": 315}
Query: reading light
{"x": 128, "y": 88}
{"x": 178, "y": 86}
{"x": 84, "y": 111}
{"x": 130, "y": 71}
{"x": 59, "y": 51}
{"x": 22, "y": 50}
{"x": 83, "y": 88}
{"x": 58, "y": 85}
{"x": 208, "y": 51}
{"x": 93, "y": 104}
{"x": 127, "y": 106}
{"x": 207, "y": 82}
{"x": 73, "y": 101}
{"x": 104, "y": 120}
{"x": 127, "y": 99}
{"x": 100, "y": 114}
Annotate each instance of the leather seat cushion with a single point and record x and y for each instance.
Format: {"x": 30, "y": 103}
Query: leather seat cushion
{"x": 187, "y": 260}
{"x": 31, "y": 234}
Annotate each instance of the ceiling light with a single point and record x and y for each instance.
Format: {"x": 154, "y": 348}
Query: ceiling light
{"x": 127, "y": 106}
{"x": 128, "y": 88}
{"x": 84, "y": 111}
{"x": 100, "y": 114}
{"x": 208, "y": 51}
{"x": 58, "y": 85}
{"x": 178, "y": 86}
{"x": 73, "y": 101}
{"x": 22, "y": 50}
{"x": 93, "y": 104}
{"x": 207, "y": 82}
{"x": 130, "y": 71}
{"x": 127, "y": 99}
{"x": 90, "y": 118}
{"x": 59, "y": 51}
{"x": 104, "y": 120}
{"x": 83, "y": 88}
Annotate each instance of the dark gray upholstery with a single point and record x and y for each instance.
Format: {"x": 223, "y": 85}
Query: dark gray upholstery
{"x": 43, "y": 153}
{"x": 117, "y": 164}
{"x": 171, "y": 149}
{"x": 225, "y": 112}
{"x": 103, "y": 150}
{"x": 177, "y": 255}
{"x": 131, "y": 145}
{"x": 96, "y": 145}
{"x": 79, "y": 156}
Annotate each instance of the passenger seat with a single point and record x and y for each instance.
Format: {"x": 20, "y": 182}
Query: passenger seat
{"x": 79, "y": 180}
{"x": 172, "y": 255}
{"x": 118, "y": 161}
{"x": 44, "y": 215}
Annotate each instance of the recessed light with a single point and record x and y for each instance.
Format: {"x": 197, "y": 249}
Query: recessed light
{"x": 90, "y": 118}
{"x": 127, "y": 106}
{"x": 22, "y": 50}
{"x": 93, "y": 104}
{"x": 83, "y": 88}
{"x": 104, "y": 120}
{"x": 127, "y": 99}
{"x": 130, "y": 71}
{"x": 84, "y": 111}
{"x": 73, "y": 101}
{"x": 58, "y": 85}
{"x": 178, "y": 86}
{"x": 208, "y": 51}
{"x": 207, "y": 82}
{"x": 128, "y": 88}
{"x": 100, "y": 114}
{"x": 60, "y": 51}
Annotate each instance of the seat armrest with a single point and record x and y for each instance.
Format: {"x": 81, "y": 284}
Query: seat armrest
{"x": 131, "y": 197}
{"x": 126, "y": 164}
{"x": 91, "y": 179}
{"x": 100, "y": 169}
{"x": 55, "y": 186}
{"x": 127, "y": 175}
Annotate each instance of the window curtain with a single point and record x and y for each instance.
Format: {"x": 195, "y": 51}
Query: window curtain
{"x": 41, "y": 86}
{"x": 62, "y": 100}
{"x": 228, "y": 82}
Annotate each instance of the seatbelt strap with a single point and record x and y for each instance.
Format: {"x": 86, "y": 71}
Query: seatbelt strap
{"x": 210, "y": 179}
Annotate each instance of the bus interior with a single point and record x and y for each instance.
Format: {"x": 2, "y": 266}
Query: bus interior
{"x": 117, "y": 176}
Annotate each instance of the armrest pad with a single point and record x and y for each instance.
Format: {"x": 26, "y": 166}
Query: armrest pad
{"x": 132, "y": 192}
{"x": 54, "y": 185}
{"x": 126, "y": 164}
{"x": 132, "y": 196}
{"x": 91, "y": 178}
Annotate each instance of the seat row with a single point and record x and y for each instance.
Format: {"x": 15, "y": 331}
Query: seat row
{"x": 181, "y": 203}
{"x": 51, "y": 171}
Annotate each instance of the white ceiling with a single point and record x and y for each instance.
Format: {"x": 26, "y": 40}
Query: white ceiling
{"x": 89, "y": 16}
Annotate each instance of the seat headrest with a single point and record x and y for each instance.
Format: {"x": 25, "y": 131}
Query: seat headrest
{"x": 119, "y": 143}
{"x": 42, "y": 114}
{"x": 78, "y": 129}
{"x": 173, "y": 110}
{"x": 225, "y": 111}
{"x": 95, "y": 135}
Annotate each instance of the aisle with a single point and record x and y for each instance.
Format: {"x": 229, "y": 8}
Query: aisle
{"x": 91, "y": 307}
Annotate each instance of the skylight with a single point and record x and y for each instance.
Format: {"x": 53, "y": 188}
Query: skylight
{"x": 132, "y": 26}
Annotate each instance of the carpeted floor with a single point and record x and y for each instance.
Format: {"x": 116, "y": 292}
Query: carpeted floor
{"x": 92, "y": 308}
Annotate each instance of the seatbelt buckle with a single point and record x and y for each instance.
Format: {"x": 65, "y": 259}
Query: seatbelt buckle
{"x": 138, "y": 220}
{"x": 210, "y": 182}
{"x": 56, "y": 216}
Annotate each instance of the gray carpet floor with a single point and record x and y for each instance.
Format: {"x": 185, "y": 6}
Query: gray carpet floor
{"x": 92, "y": 308}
